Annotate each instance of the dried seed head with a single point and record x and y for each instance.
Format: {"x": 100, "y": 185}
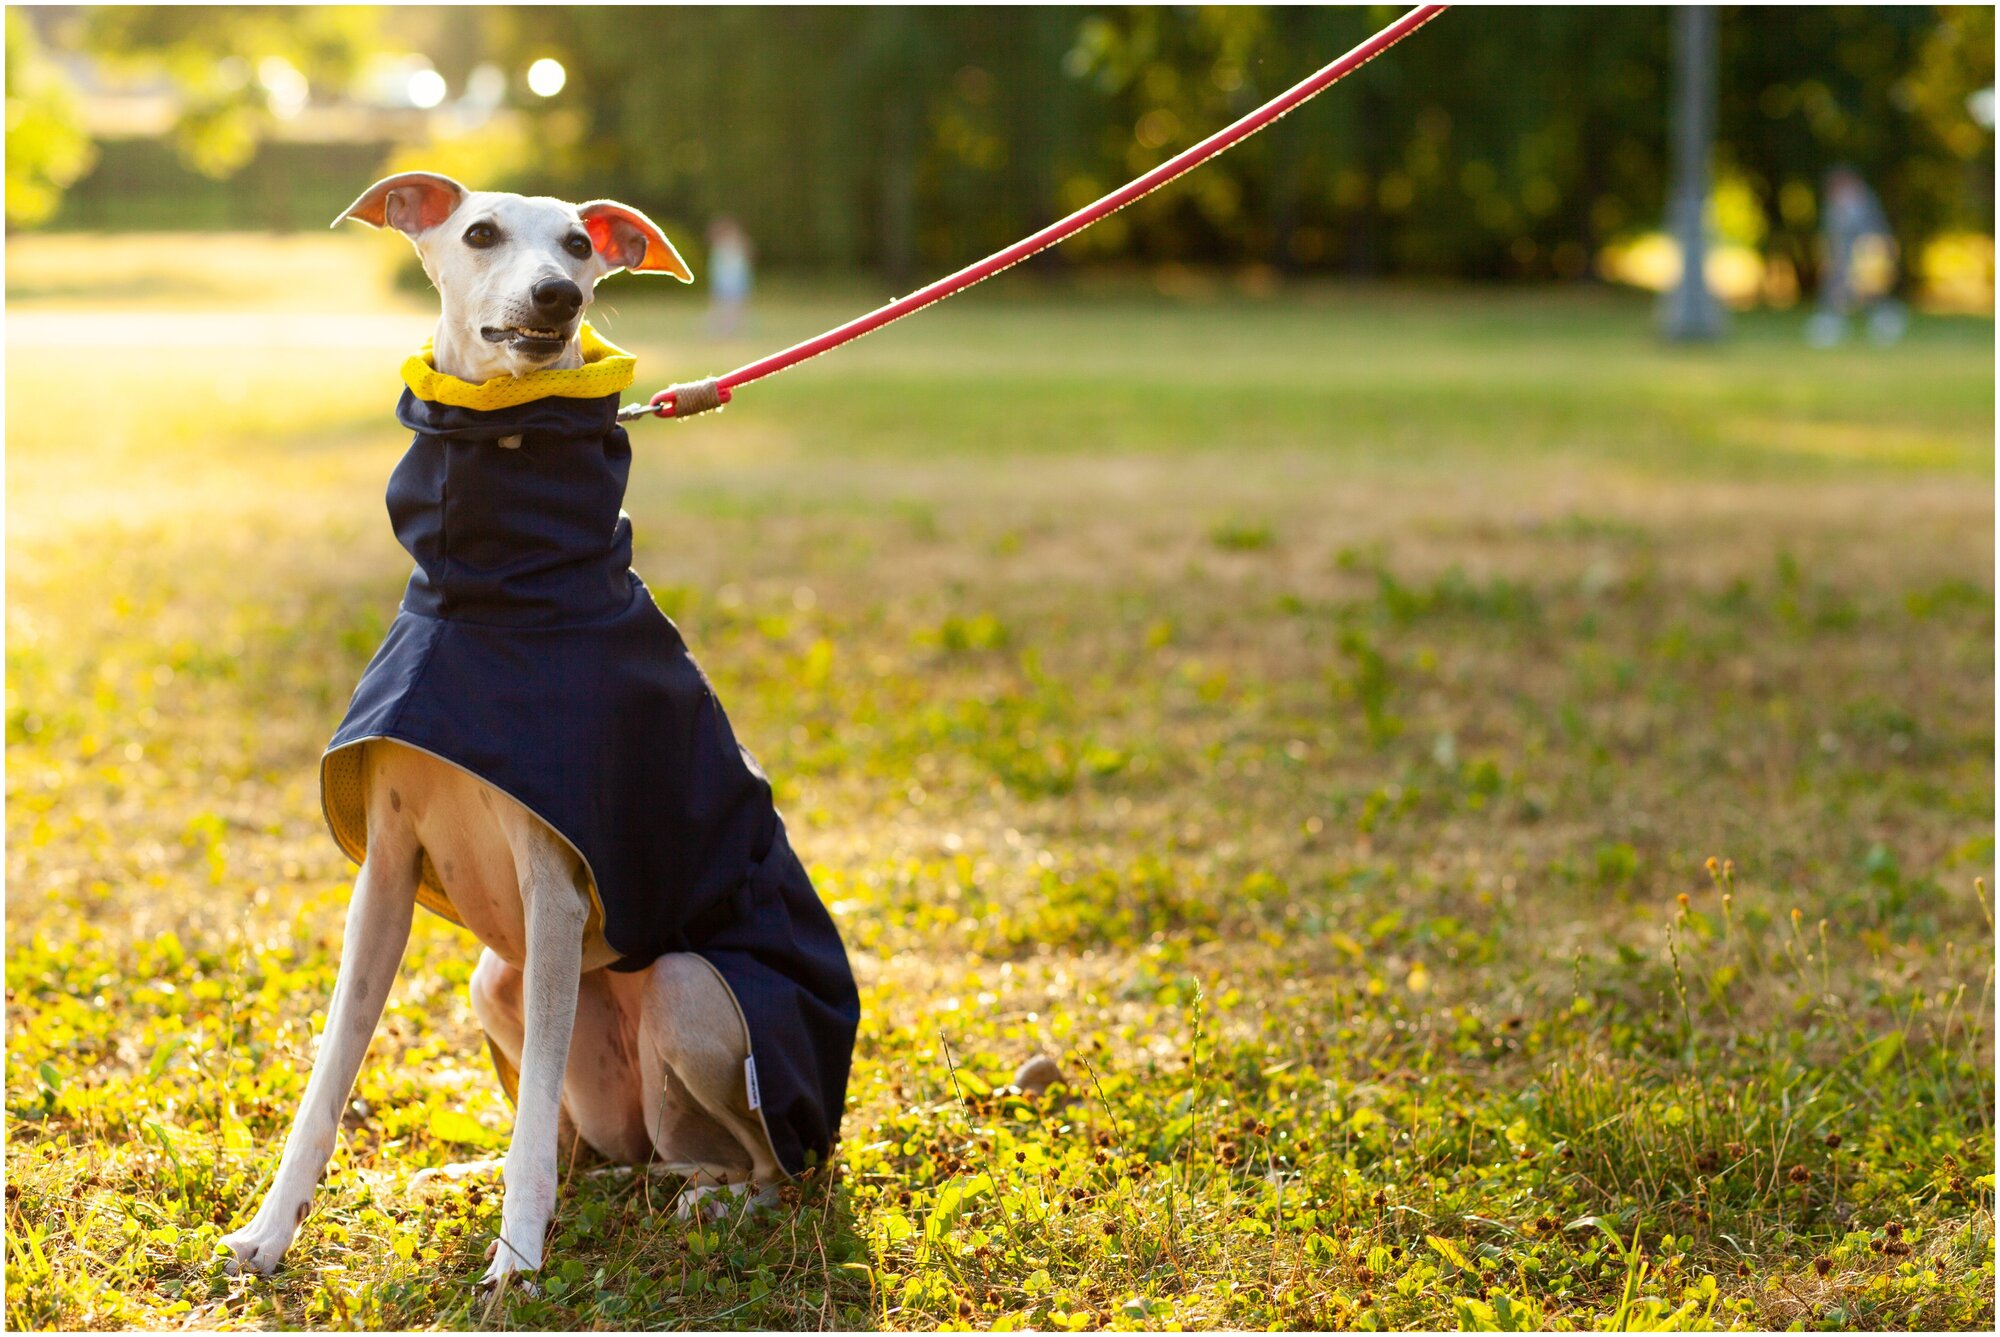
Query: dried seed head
{"x": 1822, "y": 1265}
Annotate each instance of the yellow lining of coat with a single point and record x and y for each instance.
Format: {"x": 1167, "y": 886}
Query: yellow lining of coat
{"x": 606, "y": 370}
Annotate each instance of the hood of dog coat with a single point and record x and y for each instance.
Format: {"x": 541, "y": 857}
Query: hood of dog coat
{"x": 528, "y": 653}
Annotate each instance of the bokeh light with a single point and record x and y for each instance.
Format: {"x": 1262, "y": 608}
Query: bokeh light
{"x": 426, "y": 88}
{"x": 546, "y": 77}
{"x": 285, "y": 88}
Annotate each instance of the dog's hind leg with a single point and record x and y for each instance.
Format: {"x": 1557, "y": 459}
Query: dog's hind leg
{"x": 378, "y": 929}
{"x": 555, "y": 909}
{"x": 692, "y": 1051}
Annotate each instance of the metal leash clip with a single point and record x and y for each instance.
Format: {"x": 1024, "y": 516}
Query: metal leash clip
{"x": 680, "y": 401}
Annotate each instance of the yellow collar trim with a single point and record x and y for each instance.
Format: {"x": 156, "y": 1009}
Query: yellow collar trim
{"x": 606, "y": 370}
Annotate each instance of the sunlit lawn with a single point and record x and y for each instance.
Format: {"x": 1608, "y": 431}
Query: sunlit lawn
{"x": 1306, "y": 716}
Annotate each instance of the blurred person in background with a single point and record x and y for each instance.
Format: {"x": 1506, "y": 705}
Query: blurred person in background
{"x": 728, "y": 276}
{"x": 1858, "y": 269}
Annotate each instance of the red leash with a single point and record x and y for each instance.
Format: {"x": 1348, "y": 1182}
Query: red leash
{"x": 685, "y": 401}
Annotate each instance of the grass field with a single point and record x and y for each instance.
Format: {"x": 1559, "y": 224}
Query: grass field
{"x": 1494, "y": 816}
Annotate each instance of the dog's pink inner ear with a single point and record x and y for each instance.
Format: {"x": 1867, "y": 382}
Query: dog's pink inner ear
{"x": 622, "y": 245}
{"x": 418, "y": 208}
{"x": 627, "y": 239}
{"x": 410, "y": 202}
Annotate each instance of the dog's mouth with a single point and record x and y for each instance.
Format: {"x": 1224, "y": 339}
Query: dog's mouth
{"x": 535, "y": 341}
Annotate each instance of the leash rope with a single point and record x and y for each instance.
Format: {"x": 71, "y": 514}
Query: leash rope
{"x": 686, "y": 400}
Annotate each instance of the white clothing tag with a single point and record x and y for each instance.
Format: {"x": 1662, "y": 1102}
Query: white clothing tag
{"x": 750, "y": 1082}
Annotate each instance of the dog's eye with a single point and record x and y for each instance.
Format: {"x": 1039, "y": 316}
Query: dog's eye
{"x": 578, "y": 246}
{"x": 481, "y": 235}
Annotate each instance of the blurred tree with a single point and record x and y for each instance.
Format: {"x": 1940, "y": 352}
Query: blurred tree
{"x": 1880, "y": 88}
{"x": 238, "y": 68}
{"x": 1502, "y": 142}
{"x": 47, "y": 148}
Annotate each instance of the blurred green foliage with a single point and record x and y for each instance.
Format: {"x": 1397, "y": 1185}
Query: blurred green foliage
{"x": 1500, "y": 142}
{"x": 46, "y": 149}
{"x": 212, "y": 53}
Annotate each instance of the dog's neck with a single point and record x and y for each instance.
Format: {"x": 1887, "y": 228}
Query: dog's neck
{"x": 458, "y": 350}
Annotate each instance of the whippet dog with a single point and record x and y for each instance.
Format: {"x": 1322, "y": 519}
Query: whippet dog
{"x": 643, "y": 1052}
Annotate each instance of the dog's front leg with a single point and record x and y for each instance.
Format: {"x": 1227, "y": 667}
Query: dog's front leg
{"x": 378, "y": 929}
{"x": 555, "y": 913}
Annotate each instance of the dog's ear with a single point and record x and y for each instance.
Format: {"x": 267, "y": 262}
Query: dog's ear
{"x": 627, "y": 239}
{"x": 410, "y": 202}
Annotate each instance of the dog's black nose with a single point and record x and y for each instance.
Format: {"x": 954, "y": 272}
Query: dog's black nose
{"x": 557, "y": 299}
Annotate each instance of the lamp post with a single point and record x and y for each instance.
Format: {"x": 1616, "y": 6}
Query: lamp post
{"x": 1689, "y": 312}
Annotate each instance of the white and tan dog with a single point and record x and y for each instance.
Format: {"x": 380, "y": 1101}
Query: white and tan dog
{"x": 643, "y": 1066}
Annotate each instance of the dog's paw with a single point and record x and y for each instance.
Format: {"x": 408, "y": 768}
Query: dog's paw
{"x": 254, "y": 1251}
{"x": 509, "y": 1267}
{"x": 436, "y": 1176}
{"x": 712, "y": 1202}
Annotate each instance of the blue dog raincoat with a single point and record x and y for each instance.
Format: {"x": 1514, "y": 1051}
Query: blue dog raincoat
{"x": 529, "y": 653}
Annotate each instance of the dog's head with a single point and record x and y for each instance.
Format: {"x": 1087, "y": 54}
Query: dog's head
{"x": 513, "y": 272}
